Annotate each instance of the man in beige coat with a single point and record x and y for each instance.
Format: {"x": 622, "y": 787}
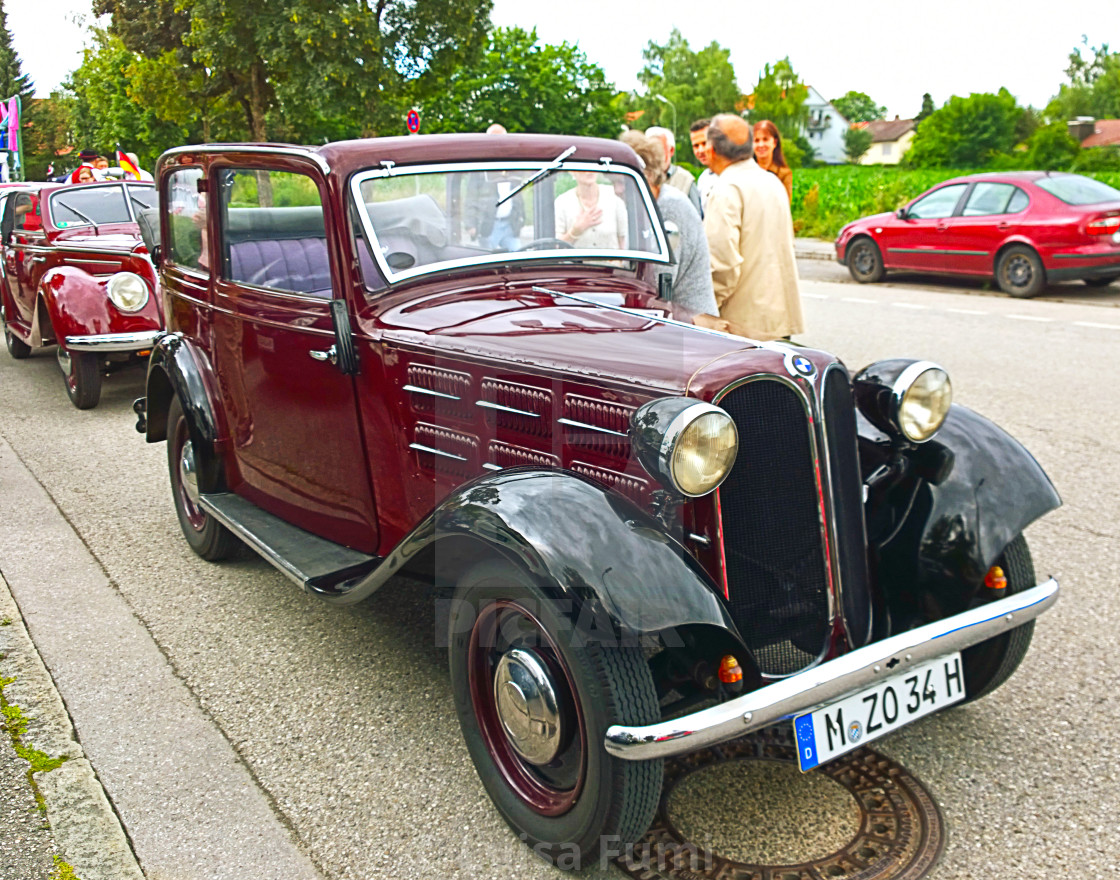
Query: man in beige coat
{"x": 750, "y": 237}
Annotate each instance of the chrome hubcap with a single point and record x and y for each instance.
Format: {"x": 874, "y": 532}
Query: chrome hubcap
{"x": 64, "y": 361}
{"x": 188, "y": 474}
{"x": 526, "y": 700}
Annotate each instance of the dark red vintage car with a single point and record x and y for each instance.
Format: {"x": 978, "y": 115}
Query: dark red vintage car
{"x": 1024, "y": 228}
{"x": 77, "y": 274}
{"x": 459, "y": 356}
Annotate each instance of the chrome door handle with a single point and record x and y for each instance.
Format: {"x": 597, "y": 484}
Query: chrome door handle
{"x": 331, "y": 354}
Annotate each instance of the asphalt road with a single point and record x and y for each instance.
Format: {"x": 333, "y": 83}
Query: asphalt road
{"x": 335, "y": 727}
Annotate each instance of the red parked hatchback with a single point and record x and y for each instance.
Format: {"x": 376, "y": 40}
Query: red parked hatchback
{"x": 1025, "y": 228}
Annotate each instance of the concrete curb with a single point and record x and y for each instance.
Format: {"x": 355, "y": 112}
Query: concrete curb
{"x": 814, "y": 249}
{"x": 88, "y": 835}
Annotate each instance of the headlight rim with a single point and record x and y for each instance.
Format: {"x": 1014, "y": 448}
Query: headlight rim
{"x": 675, "y": 430}
{"x": 115, "y": 280}
{"x": 902, "y": 384}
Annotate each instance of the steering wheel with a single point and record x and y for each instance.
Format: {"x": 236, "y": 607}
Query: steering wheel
{"x": 542, "y": 243}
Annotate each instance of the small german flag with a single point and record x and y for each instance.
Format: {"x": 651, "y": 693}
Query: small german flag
{"x": 127, "y": 165}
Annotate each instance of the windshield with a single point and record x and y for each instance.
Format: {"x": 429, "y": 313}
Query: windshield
{"x": 99, "y": 204}
{"x": 429, "y": 218}
{"x": 1073, "y": 189}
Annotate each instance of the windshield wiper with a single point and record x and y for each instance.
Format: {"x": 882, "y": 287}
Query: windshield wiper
{"x": 548, "y": 169}
{"x": 74, "y": 210}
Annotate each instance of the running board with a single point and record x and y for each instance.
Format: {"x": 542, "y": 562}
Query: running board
{"x": 314, "y": 563}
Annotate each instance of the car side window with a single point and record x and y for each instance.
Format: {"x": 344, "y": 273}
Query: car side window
{"x": 273, "y": 232}
{"x": 186, "y": 220}
{"x": 937, "y": 204}
{"x": 1019, "y": 202}
{"x": 992, "y": 198}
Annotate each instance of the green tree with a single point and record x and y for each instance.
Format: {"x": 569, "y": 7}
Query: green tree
{"x": 858, "y": 107}
{"x": 967, "y": 132}
{"x": 1093, "y": 87}
{"x": 527, "y": 86}
{"x": 698, "y": 85}
{"x": 857, "y": 141}
{"x": 780, "y": 95}
{"x": 105, "y": 114}
{"x": 1051, "y": 148}
{"x": 927, "y": 108}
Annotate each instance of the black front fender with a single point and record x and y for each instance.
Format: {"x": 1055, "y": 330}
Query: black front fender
{"x": 591, "y": 550}
{"x": 174, "y": 371}
{"x": 956, "y": 530}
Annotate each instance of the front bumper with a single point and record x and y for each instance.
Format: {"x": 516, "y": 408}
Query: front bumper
{"x": 828, "y": 682}
{"x": 114, "y": 341}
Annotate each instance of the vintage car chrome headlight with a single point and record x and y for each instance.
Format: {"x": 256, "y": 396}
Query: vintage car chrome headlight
{"x": 685, "y": 444}
{"x": 904, "y": 398}
{"x": 128, "y": 291}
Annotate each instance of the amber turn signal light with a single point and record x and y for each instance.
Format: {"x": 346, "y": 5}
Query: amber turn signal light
{"x": 730, "y": 672}
{"x": 995, "y": 579}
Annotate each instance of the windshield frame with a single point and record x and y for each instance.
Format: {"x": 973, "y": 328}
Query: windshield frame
{"x": 597, "y": 255}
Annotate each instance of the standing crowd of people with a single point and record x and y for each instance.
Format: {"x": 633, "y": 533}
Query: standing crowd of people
{"x": 736, "y": 269}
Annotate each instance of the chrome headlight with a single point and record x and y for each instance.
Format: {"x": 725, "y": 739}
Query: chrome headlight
{"x": 905, "y": 398}
{"x": 128, "y": 291}
{"x": 685, "y": 444}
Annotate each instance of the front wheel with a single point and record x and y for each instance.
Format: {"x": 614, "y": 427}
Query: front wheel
{"x": 989, "y": 664}
{"x": 1019, "y": 272}
{"x": 534, "y": 703}
{"x": 865, "y": 262}
{"x": 82, "y": 371}
{"x": 207, "y": 537}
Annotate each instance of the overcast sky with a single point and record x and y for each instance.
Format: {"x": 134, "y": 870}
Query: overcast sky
{"x": 892, "y": 51}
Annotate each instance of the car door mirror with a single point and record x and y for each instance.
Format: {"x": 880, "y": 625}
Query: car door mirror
{"x": 902, "y": 214}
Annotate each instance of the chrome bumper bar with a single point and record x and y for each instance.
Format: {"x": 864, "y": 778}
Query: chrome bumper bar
{"x": 823, "y": 684}
{"x": 114, "y": 341}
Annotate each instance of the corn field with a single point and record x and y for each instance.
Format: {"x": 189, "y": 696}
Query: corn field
{"x": 826, "y": 198}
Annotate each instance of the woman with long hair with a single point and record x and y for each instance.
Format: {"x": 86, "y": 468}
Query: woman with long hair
{"x": 768, "y": 153}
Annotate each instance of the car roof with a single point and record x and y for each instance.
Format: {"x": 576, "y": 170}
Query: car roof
{"x": 1008, "y": 176}
{"x": 345, "y": 157}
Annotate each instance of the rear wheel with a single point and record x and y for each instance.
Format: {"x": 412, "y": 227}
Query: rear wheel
{"x": 17, "y": 348}
{"x": 534, "y": 704}
{"x": 989, "y": 664}
{"x": 82, "y": 371}
{"x": 207, "y": 537}
{"x": 1019, "y": 272}
{"x": 1100, "y": 282}
{"x": 865, "y": 262}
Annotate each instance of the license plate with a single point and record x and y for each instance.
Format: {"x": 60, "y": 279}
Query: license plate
{"x": 847, "y": 724}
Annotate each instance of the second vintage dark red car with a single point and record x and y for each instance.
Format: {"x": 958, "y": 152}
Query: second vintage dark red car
{"x": 459, "y": 356}
{"x": 1023, "y": 228}
{"x": 76, "y": 274}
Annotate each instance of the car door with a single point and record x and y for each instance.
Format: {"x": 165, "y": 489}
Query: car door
{"x": 291, "y": 412}
{"x": 916, "y": 240}
{"x": 25, "y": 254}
{"x": 992, "y": 212}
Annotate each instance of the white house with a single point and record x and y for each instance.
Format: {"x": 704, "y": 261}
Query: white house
{"x": 825, "y": 129}
{"x": 890, "y": 138}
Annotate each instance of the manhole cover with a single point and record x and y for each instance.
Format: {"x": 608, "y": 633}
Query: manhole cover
{"x": 743, "y": 811}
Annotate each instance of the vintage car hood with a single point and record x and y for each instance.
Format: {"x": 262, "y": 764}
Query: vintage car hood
{"x": 558, "y": 334}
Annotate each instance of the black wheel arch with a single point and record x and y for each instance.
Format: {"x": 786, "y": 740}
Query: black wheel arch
{"x": 954, "y": 531}
{"x": 174, "y": 372}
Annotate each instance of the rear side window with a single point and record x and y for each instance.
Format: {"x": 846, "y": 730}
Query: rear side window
{"x": 937, "y": 204}
{"x": 994, "y": 198}
{"x": 1073, "y": 189}
{"x": 273, "y": 232}
{"x": 186, "y": 220}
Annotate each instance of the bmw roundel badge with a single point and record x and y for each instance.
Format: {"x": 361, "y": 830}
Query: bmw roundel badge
{"x": 799, "y": 365}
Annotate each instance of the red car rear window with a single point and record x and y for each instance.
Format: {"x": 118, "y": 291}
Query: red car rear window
{"x": 1073, "y": 189}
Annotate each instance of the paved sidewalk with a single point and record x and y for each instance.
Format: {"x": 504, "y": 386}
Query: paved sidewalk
{"x": 814, "y": 249}
{"x": 188, "y": 806}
